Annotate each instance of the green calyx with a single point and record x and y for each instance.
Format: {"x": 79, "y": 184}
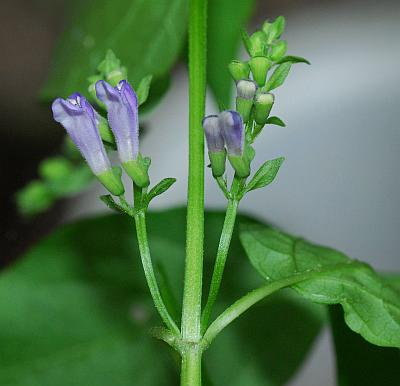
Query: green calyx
{"x": 262, "y": 107}
{"x": 240, "y": 164}
{"x": 258, "y": 43}
{"x": 217, "y": 160}
{"x": 278, "y": 51}
{"x": 259, "y": 66}
{"x": 137, "y": 170}
{"x": 111, "y": 179}
{"x": 243, "y": 107}
{"x": 239, "y": 70}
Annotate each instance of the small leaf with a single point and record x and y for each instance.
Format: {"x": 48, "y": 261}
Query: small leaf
{"x": 371, "y": 307}
{"x": 160, "y": 188}
{"x": 142, "y": 91}
{"x": 293, "y": 59}
{"x": 265, "y": 174}
{"x": 109, "y": 201}
{"x": 278, "y": 76}
{"x": 275, "y": 121}
{"x": 247, "y": 42}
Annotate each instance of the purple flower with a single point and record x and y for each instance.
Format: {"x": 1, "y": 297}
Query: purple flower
{"x": 79, "y": 120}
{"x": 122, "y": 106}
{"x": 212, "y": 130}
{"x": 232, "y": 129}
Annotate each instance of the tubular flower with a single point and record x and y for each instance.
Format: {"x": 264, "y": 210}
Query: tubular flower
{"x": 246, "y": 89}
{"x": 122, "y": 107}
{"x": 232, "y": 129}
{"x": 215, "y": 144}
{"x": 78, "y": 118}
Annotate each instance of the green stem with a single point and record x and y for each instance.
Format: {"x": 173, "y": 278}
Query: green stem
{"x": 244, "y": 303}
{"x": 191, "y": 309}
{"x": 223, "y": 248}
{"x": 191, "y": 366}
{"x": 140, "y": 221}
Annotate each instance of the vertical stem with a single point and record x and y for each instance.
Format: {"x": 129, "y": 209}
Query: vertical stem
{"x": 222, "y": 254}
{"x": 141, "y": 232}
{"x": 191, "y": 310}
{"x": 191, "y": 367}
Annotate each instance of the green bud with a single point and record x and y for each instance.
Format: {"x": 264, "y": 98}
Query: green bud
{"x": 266, "y": 27}
{"x": 137, "y": 170}
{"x": 240, "y": 164}
{"x": 217, "y": 159}
{"x": 258, "y": 43}
{"x": 239, "y": 70}
{"x": 114, "y": 77}
{"x": 92, "y": 85}
{"x": 259, "y": 66}
{"x": 111, "y": 179}
{"x": 278, "y": 51}
{"x": 246, "y": 89}
{"x": 275, "y": 29}
{"x": 262, "y": 107}
{"x": 56, "y": 168}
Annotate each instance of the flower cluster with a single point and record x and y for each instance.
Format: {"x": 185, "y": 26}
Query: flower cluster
{"x": 237, "y": 130}
{"x": 82, "y": 123}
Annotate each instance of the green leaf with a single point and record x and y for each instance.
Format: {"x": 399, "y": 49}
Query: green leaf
{"x": 371, "y": 307}
{"x": 224, "y": 22}
{"x": 160, "y": 188}
{"x": 142, "y": 91}
{"x": 110, "y": 202}
{"x": 147, "y": 38}
{"x": 77, "y": 305}
{"x": 278, "y": 76}
{"x": 265, "y": 174}
{"x": 293, "y": 59}
{"x": 359, "y": 363}
{"x": 275, "y": 121}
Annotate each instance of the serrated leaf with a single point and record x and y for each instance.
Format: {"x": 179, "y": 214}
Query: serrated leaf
{"x": 160, "y": 188}
{"x": 265, "y": 174}
{"x": 293, "y": 59}
{"x": 278, "y": 76}
{"x": 275, "y": 121}
{"x": 110, "y": 202}
{"x": 142, "y": 91}
{"x": 371, "y": 307}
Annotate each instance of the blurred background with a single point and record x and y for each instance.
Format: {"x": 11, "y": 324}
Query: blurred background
{"x": 339, "y": 185}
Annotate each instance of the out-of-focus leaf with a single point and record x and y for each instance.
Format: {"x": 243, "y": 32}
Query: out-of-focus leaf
{"x": 359, "y": 363}
{"x": 371, "y": 307}
{"x": 75, "y": 311}
{"x": 224, "y": 21}
{"x": 146, "y": 36}
{"x": 34, "y": 198}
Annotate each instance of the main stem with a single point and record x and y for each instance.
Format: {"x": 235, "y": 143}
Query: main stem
{"x": 191, "y": 309}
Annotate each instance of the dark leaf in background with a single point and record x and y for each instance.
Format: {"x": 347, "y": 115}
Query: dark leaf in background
{"x": 225, "y": 17}
{"x": 75, "y": 311}
{"x": 358, "y": 362}
{"x": 146, "y": 36}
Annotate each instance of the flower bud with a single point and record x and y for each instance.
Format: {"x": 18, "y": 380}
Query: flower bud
{"x": 239, "y": 70}
{"x": 215, "y": 144}
{"x": 122, "y": 108}
{"x": 259, "y": 66}
{"x": 232, "y": 127}
{"x": 246, "y": 89}
{"x": 258, "y": 43}
{"x": 262, "y": 106}
{"x": 278, "y": 51}
{"x": 274, "y": 30}
{"x": 79, "y": 120}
